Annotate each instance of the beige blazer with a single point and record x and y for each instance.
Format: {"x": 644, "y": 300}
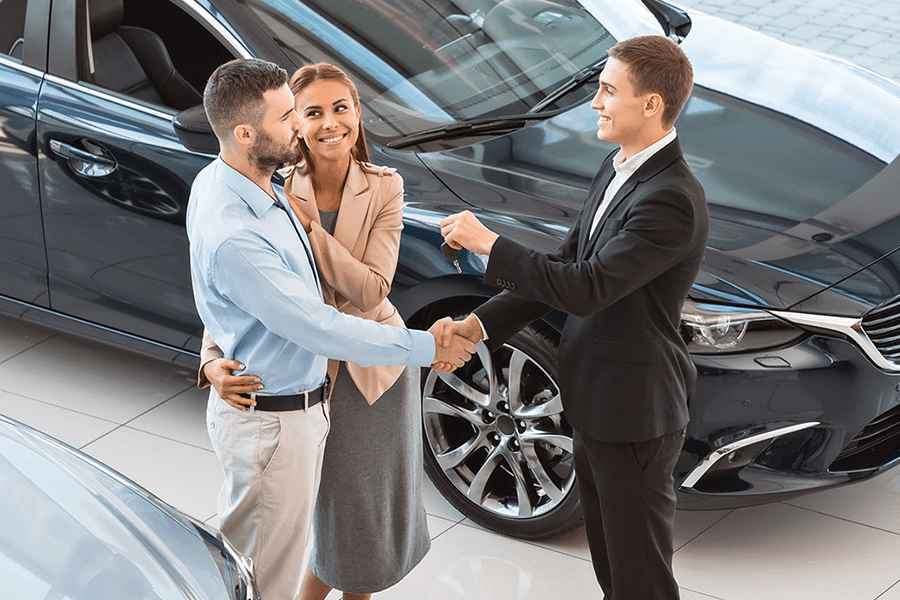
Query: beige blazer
{"x": 356, "y": 265}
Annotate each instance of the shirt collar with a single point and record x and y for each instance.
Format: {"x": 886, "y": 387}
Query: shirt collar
{"x": 257, "y": 199}
{"x": 634, "y": 163}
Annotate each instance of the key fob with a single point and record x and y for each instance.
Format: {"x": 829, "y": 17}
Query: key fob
{"x": 452, "y": 255}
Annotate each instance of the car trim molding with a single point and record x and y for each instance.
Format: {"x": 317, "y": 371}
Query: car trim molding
{"x": 225, "y": 36}
{"x": 72, "y": 85}
{"x": 719, "y": 453}
{"x": 14, "y": 64}
{"x": 849, "y": 327}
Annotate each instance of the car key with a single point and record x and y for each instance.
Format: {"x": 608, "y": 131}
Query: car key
{"x": 452, "y": 255}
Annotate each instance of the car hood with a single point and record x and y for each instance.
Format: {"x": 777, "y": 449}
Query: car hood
{"x": 70, "y": 529}
{"x": 848, "y": 101}
{"x": 772, "y": 243}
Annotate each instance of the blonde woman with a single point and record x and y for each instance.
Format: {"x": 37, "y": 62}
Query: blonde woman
{"x": 369, "y": 524}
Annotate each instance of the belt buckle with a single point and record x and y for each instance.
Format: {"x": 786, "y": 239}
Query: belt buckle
{"x": 253, "y": 399}
{"x": 306, "y": 401}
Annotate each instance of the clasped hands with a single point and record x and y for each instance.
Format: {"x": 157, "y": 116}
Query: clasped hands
{"x": 454, "y": 342}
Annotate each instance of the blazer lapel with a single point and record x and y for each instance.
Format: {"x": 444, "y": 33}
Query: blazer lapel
{"x": 659, "y": 161}
{"x": 354, "y": 207}
{"x": 303, "y": 196}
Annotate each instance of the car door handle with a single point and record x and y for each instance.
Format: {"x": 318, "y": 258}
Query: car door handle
{"x": 84, "y": 162}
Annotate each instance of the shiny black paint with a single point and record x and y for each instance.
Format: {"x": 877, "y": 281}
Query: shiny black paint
{"x": 117, "y": 249}
{"x": 23, "y": 268}
{"x": 829, "y": 381}
{"x": 118, "y": 266}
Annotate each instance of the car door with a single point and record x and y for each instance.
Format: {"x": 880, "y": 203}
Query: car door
{"x": 23, "y": 58}
{"x": 114, "y": 175}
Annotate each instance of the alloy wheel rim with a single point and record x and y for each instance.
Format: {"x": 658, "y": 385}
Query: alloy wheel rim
{"x": 497, "y": 430}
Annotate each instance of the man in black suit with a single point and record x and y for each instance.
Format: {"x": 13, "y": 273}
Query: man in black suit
{"x": 622, "y": 275}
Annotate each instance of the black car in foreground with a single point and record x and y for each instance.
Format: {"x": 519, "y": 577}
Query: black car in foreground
{"x": 794, "y": 321}
{"x": 73, "y": 528}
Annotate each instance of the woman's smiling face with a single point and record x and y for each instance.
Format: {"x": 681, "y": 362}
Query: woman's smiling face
{"x": 329, "y": 119}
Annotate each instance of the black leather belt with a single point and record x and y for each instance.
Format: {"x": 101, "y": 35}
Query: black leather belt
{"x": 290, "y": 402}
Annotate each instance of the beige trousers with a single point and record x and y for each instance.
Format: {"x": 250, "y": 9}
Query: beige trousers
{"x": 272, "y": 463}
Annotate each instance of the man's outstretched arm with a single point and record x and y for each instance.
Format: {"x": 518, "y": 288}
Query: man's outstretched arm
{"x": 254, "y": 277}
{"x": 658, "y": 232}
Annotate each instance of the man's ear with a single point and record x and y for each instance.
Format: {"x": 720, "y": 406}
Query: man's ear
{"x": 244, "y": 135}
{"x": 654, "y": 105}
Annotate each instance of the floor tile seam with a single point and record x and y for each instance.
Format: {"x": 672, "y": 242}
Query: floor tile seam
{"x": 31, "y": 347}
{"x": 60, "y": 406}
{"x": 528, "y": 542}
{"x": 167, "y": 438}
{"x": 705, "y": 529}
{"x": 445, "y": 531}
{"x": 707, "y": 594}
{"x": 896, "y": 584}
{"x": 453, "y": 520}
{"x": 840, "y": 518}
{"x": 125, "y": 424}
{"x": 155, "y": 406}
{"x": 83, "y": 447}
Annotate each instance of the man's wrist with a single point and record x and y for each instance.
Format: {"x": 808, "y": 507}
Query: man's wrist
{"x": 490, "y": 239}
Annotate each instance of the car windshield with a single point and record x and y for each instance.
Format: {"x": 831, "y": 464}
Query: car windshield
{"x": 424, "y": 63}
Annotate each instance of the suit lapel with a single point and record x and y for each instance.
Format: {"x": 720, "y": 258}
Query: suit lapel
{"x": 659, "y": 161}
{"x": 604, "y": 177}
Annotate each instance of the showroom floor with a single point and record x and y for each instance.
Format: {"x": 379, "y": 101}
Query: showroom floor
{"x": 144, "y": 418}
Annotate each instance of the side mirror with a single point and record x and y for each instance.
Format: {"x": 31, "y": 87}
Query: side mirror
{"x": 194, "y": 130}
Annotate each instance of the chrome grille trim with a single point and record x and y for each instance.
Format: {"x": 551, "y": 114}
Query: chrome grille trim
{"x": 882, "y": 326}
{"x": 849, "y": 327}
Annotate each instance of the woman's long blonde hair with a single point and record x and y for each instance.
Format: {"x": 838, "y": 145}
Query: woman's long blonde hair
{"x": 308, "y": 74}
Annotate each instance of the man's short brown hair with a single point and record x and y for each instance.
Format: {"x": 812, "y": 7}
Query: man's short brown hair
{"x": 234, "y": 93}
{"x": 657, "y": 65}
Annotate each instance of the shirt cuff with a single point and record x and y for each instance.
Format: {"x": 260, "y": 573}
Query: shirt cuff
{"x": 484, "y": 335}
{"x": 422, "y": 353}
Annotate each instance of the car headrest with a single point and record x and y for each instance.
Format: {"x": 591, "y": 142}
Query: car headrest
{"x": 106, "y": 16}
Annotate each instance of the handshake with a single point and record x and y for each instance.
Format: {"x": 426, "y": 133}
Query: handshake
{"x": 454, "y": 342}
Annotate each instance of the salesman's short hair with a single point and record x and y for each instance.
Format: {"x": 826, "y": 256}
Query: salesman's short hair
{"x": 658, "y": 65}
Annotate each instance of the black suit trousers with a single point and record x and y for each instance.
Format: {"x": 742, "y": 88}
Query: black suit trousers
{"x": 628, "y": 498}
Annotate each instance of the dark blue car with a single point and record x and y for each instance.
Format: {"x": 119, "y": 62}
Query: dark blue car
{"x": 794, "y": 321}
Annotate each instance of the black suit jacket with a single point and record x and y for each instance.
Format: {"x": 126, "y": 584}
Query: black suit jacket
{"x": 625, "y": 373}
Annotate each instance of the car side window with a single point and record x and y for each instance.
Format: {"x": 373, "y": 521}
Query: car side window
{"x": 153, "y": 52}
{"x": 12, "y": 27}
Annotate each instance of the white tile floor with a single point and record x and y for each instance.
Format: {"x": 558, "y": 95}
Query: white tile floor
{"x": 143, "y": 418}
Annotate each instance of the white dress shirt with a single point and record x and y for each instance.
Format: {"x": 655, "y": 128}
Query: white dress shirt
{"x": 625, "y": 169}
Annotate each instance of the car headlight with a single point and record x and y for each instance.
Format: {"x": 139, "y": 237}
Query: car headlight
{"x": 719, "y": 329}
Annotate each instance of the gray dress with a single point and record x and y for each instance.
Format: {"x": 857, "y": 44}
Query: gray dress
{"x": 369, "y": 527}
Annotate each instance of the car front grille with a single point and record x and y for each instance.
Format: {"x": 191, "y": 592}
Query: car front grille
{"x": 876, "y": 445}
{"x": 882, "y": 325}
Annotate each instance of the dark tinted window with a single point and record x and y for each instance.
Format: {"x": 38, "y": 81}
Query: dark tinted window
{"x": 12, "y": 27}
{"x": 761, "y": 168}
{"x": 421, "y": 63}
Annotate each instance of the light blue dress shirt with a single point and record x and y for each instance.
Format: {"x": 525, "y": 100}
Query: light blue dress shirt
{"x": 258, "y": 292}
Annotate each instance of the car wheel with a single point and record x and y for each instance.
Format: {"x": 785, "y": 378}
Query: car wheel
{"x": 497, "y": 444}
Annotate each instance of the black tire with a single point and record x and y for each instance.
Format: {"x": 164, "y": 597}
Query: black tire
{"x": 566, "y": 515}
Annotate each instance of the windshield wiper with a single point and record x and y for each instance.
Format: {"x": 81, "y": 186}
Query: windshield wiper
{"x": 471, "y": 127}
{"x": 570, "y": 84}
{"x": 504, "y": 122}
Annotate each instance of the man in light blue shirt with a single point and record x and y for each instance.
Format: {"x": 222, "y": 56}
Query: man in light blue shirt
{"x": 258, "y": 293}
